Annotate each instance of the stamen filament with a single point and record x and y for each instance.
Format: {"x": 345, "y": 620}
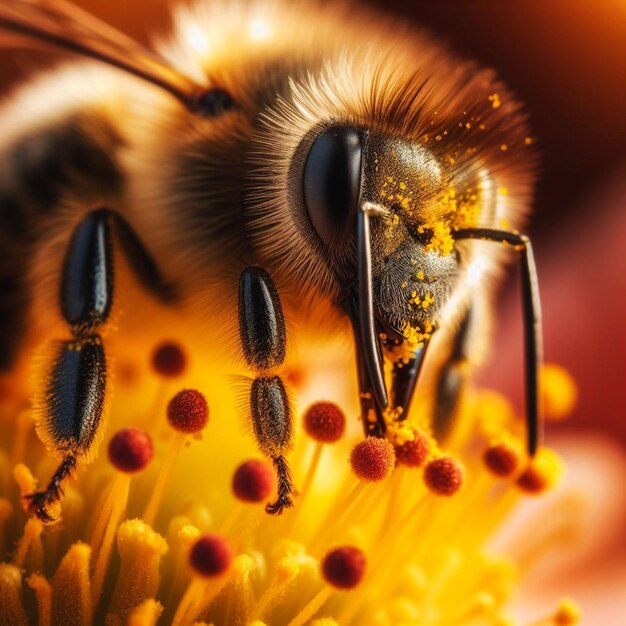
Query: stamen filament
{"x": 336, "y": 515}
{"x": 194, "y": 590}
{"x": 43, "y": 591}
{"x": 288, "y": 569}
{"x": 312, "y": 607}
{"x": 104, "y": 553}
{"x": 311, "y": 471}
{"x": 32, "y": 532}
{"x": 231, "y": 518}
{"x": 152, "y": 507}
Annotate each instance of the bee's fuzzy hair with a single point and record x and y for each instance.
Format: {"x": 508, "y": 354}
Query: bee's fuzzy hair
{"x": 291, "y": 67}
{"x": 360, "y": 69}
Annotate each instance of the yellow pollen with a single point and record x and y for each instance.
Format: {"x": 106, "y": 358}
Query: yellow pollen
{"x": 568, "y": 613}
{"x": 494, "y": 98}
{"x": 559, "y": 392}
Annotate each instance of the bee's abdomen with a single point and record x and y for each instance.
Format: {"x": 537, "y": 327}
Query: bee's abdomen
{"x": 75, "y": 158}
{"x": 75, "y": 155}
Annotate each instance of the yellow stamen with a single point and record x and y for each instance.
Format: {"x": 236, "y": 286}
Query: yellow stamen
{"x": 121, "y": 486}
{"x": 141, "y": 550}
{"x": 71, "y": 588}
{"x": 311, "y": 471}
{"x": 231, "y": 519}
{"x": 146, "y": 614}
{"x": 24, "y": 479}
{"x": 43, "y": 593}
{"x": 567, "y": 614}
{"x": 312, "y": 607}
{"x": 286, "y": 571}
{"x": 11, "y": 607}
{"x": 6, "y": 512}
{"x": 559, "y": 392}
{"x": 152, "y": 507}
{"x": 30, "y": 540}
{"x": 202, "y": 591}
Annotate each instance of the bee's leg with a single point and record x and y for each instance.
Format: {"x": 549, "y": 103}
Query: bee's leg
{"x": 262, "y": 333}
{"x": 531, "y": 311}
{"x": 404, "y": 381}
{"x": 141, "y": 263}
{"x": 372, "y": 417}
{"x": 373, "y": 395}
{"x": 452, "y": 377}
{"x": 72, "y": 400}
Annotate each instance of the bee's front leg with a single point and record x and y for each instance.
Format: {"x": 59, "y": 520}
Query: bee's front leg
{"x": 70, "y": 404}
{"x": 72, "y": 400}
{"x": 263, "y": 339}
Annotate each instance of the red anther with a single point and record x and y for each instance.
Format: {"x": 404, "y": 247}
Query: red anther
{"x": 169, "y": 360}
{"x": 324, "y": 422}
{"x": 502, "y": 459}
{"x": 211, "y": 555}
{"x": 414, "y": 453}
{"x": 130, "y": 450}
{"x": 372, "y": 459}
{"x": 533, "y": 480}
{"x": 344, "y": 567}
{"x": 443, "y": 476}
{"x": 253, "y": 481}
{"x": 188, "y": 411}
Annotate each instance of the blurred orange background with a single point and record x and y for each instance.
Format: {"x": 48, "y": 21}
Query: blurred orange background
{"x": 566, "y": 60}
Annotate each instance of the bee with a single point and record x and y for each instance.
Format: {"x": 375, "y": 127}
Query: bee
{"x": 351, "y": 168}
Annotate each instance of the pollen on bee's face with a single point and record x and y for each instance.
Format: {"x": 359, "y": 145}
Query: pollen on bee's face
{"x": 169, "y": 525}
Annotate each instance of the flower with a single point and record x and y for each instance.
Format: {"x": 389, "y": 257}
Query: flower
{"x": 170, "y": 524}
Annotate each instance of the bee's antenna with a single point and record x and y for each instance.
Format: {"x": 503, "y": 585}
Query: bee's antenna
{"x": 531, "y": 309}
{"x": 62, "y": 25}
{"x": 368, "y": 335}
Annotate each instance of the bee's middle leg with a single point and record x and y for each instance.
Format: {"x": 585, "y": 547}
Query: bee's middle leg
{"x": 453, "y": 376}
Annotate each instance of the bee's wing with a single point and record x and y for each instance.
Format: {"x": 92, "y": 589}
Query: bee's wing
{"x": 61, "y": 24}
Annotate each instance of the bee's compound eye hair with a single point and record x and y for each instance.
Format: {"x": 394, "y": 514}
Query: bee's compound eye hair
{"x": 214, "y": 102}
{"x": 332, "y": 182}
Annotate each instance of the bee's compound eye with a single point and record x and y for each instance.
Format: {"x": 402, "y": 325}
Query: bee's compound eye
{"x": 215, "y": 102}
{"x": 332, "y": 182}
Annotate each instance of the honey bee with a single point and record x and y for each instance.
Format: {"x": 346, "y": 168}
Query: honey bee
{"x": 350, "y": 168}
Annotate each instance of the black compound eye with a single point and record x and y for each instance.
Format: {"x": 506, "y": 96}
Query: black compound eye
{"x": 215, "y": 102}
{"x": 332, "y": 182}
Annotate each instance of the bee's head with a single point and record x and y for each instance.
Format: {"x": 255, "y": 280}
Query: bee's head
{"x": 350, "y": 169}
{"x": 419, "y": 142}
